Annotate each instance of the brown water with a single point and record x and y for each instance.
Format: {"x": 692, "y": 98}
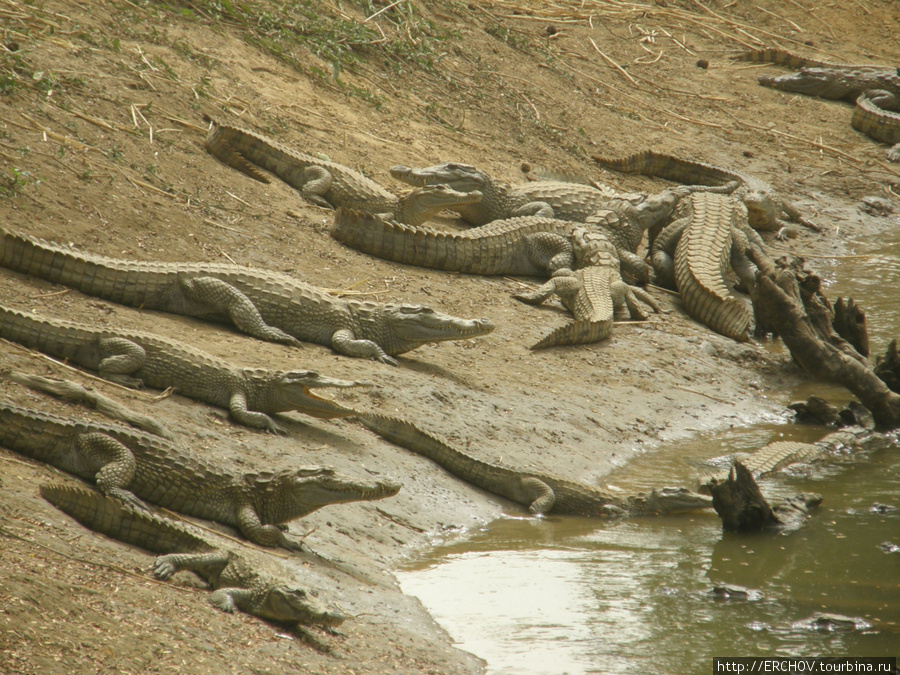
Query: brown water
{"x": 568, "y": 595}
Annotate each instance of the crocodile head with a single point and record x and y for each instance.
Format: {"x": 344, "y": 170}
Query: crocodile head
{"x": 292, "y": 604}
{"x": 281, "y": 391}
{"x": 823, "y": 82}
{"x": 429, "y": 200}
{"x": 658, "y": 208}
{"x": 461, "y": 177}
{"x": 295, "y": 493}
{"x": 668, "y": 500}
{"x": 762, "y": 213}
{"x": 402, "y": 328}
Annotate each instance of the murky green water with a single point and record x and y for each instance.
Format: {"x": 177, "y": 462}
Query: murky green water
{"x": 569, "y": 595}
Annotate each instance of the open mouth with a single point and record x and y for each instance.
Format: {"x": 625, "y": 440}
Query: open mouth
{"x": 325, "y": 408}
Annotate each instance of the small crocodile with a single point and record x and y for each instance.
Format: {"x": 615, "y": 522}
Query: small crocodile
{"x": 136, "y": 359}
{"x": 776, "y": 456}
{"x": 834, "y": 83}
{"x": 267, "y": 305}
{"x": 326, "y": 183}
{"x": 871, "y": 118}
{"x": 499, "y": 201}
{"x": 766, "y": 210}
{"x": 790, "y": 60}
{"x": 138, "y": 467}
{"x": 541, "y": 493}
{"x": 526, "y": 245}
{"x": 593, "y": 294}
{"x": 241, "y": 578}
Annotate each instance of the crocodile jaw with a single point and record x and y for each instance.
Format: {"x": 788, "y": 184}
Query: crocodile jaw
{"x": 296, "y": 605}
{"x": 411, "y": 326}
{"x": 460, "y": 177}
{"x": 310, "y": 493}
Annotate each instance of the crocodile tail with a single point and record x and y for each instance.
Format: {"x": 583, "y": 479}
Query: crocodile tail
{"x": 780, "y": 57}
{"x": 695, "y": 175}
{"x": 122, "y": 521}
{"x": 576, "y": 333}
{"x": 218, "y": 145}
{"x": 874, "y": 121}
{"x": 390, "y": 240}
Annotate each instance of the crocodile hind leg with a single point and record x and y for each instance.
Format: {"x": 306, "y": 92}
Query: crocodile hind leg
{"x": 121, "y": 358}
{"x": 344, "y": 342}
{"x": 663, "y": 253}
{"x": 541, "y": 495}
{"x": 237, "y": 406}
{"x": 550, "y": 250}
{"x": 624, "y": 295}
{"x": 215, "y": 294}
{"x": 115, "y": 464}
{"x": 316, "y": 182}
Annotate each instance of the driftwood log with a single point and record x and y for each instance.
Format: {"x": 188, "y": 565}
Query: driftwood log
{"x": 742, "y": 507}
{"x": 788, "y": 303}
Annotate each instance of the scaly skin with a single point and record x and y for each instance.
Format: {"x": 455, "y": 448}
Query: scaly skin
{"x": 592, "y": 294}
{"x": 135, "y": 359}
{"x": 242, "y": 578}
{"x": 138, "y": 467}
{"x": 776, "y": 456}
{"x": 527, "y": 245}
{"x": 499, "y": 201}
{"x": 702, "y": 259}
{"x": 834, "y": 83}
{"x": 541, "y": 493}
{"x": 766, "y": 210}
{"x": 871, "y": 118}
{"x": 326, "y": 183}
{"x": 795, "y": 61}
{"x": 264, "y": 304}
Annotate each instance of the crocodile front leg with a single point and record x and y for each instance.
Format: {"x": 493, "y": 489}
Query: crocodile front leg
{"x": 265, "y": 535}
{"x": 115, "y": 464}
{"x": 624, "y": 295}
{"x": 220, "y": 296}
{"x": 230, "y": 599}
{"x": 542, "y": 209}
{"x": 344, "y": 342}
{"x": 237, "y": 405}
{"x": 663, "y": 253}
{"x": 121, "y": 357}
{"x": 207, "y": 564}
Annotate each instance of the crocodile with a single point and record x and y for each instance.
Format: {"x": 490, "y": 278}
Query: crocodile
{"x": 137, "y": 359}
{"x": 525, "y": 245}
{"x": 780, "y": 454}
{"x": 874, "y": 121}
{"x": 241, "y": 578}
{"x": 327, "y": 183}
{"x": 499, "y": 201}
{"x": 834, "y": 83}
{"x": 137, "y": 467}
{"x": 593, "y": 293}
{"x": 767, "y": 211}
{"x": 541, "y": 493}
{"x": 788, "y": 59}
{"x": 265, "y": 304}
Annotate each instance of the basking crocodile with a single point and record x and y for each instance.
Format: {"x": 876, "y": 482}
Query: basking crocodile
{"x": 766, "y": 210}
{"x": 527, "y": 245}
{"x": 135, "y": 359}
{"x": 326, "y": 183}
{"x": 136, "y": 467}
{"x": 542, "y": 493}
{"x": 790, "y": 60}
{"x": 874, "y": 121}
{"x": 593, "y": 293}
{"x": 499, "y": 201}
{"x": 264, "y": 304}
{"x": 834, "y": 83}
{"x": 241, "y": 578}
{"x": 776, "y": 456}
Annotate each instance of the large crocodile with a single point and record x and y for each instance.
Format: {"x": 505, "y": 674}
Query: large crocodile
{"x": 241, "y": 578}
{"x": 871, "y": 118}
{"x": 541, "y": 493}
{"x": 766, "y": 210}
{"x": 327, "y": 183}
{"x": 593, "y": 293}
{"x": 526, "y": 245}
{"x": 499, "y": 201}
{"x": 138, "y": 467}
{"x": 135, "y": 359}
{"x": 267, "y": 305}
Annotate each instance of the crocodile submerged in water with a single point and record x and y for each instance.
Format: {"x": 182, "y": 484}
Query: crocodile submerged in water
{"x": 499, "y": 201}
{"x": 592, "y": 293}
{"x": 874, "y": 89}
{"x": 326, "y": 183}
{"x": 526, "y": 245}
{"x": 241, "y": 578}
{"x": 138, "y": 467}
{"x": 541, "y": 493}
{"x": 264, "y": 304}
{"x": 766, "y": 210}
{"x": 136, "y": 359}
{"x": 694, "y": 252}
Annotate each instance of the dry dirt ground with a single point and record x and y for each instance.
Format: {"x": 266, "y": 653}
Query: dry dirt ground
{"x": 101, "y": 137}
